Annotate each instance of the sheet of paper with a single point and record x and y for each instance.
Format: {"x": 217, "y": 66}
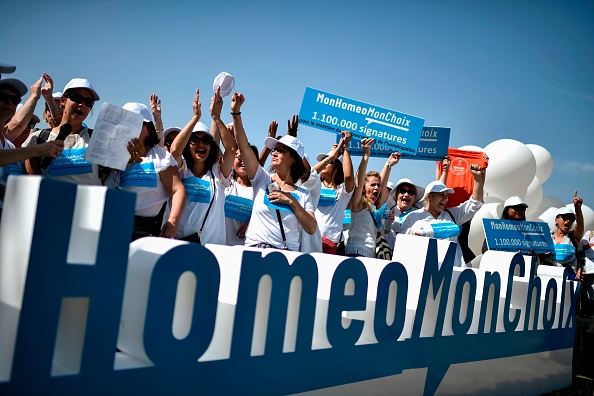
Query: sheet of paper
{"x": 114, "y": 128}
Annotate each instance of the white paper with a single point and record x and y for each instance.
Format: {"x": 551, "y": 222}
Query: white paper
{"x": 114, "y": 128}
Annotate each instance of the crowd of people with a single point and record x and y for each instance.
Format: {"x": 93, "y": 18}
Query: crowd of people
{"x": 208, "y": 183}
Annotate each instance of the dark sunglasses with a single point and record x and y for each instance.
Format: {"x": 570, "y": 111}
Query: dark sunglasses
{"x": 280, "y": 149}
{"x": 566, "y": 217}
{"x": 518, "y": 208}
{"x": 78, "y": 98}
{"x": 4, "y": 97}
{"x": 196, "y": 139}
{"x": 406, "y": 190}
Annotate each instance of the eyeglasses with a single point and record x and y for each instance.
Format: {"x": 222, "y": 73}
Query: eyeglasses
{"x": 169, "y": 142}
{"x": 280, "y": 149}
{"x": 78, "y": 98}
{"x": 405, "y": 190}
{"x": 566, "y": 217}
{"x": 519, "y": 208}
{"x": 204, "y": 140}
{"x": 4, "y": 97}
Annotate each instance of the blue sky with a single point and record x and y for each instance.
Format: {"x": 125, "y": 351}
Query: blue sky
{"x": 489, "y": 70}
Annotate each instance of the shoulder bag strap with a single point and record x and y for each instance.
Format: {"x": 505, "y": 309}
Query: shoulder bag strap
{"x": 210, "y": 205}
{"x": 280, "y": 222}
{"x": 451, "y": 215}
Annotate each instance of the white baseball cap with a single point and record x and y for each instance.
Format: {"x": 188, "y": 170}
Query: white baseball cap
{"x": 139, "y": 108}
{"x": 437, "y": 187}
{"x": 15, "y": 84}
{"x": 287, "y": 140}
{"x": 514, "y": 201}
{"x": 226, "y": 81}
{"x": 57, "y": 95}
{"x": 81, "y": 83}
{"x": 564, "y": 210}
{"x": 201, "y": 127}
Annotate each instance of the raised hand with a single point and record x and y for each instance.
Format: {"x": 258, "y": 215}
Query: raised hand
{"x": 196, "y": 105}
{"x": 366, "y": 145}
{"x": 577, "y": 201}
{"x": 292, "y": 125}
{"x": 272, "y": 128}
{"x": 236, "y": 101}
{"x": 155, "y": 104}
{"x": 216, "y": 104}
{"x": 48, "y": 88}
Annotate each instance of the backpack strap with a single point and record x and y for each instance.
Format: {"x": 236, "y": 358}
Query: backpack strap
{"x": 43, "y": 136}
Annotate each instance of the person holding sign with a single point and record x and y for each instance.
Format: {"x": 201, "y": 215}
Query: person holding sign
{"x": 435, "y": 221}
{"x": 152, "y": 174}
{"x": 567, "y": 241}
{"x": 281, "y": 209}
{"x": 513, "y": 209}
{"x": 338, "y": 183}
{"x": 407, "y": 196}
{"x": 368, "y": 204}
{"x": 76, "y": 103}
{"x": 205, "y": 178}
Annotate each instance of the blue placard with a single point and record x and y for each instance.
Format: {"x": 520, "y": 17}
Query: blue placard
{"x": 513, "y": 236}
{"x": 70, "y": 162}
{"x": 238, "y": 208}
{"x": 327, "y": 197}
{"x": 279, "y": 206}
{"x": 433, "y": 146}
{"x": 197, "y": 190}
{"x": 391, "y": 129}
{"x": 347, "y": 217}
{"x": 139, "y": 175}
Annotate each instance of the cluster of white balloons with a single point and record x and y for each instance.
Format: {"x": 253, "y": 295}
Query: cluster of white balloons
{"x": 518, "y": 169}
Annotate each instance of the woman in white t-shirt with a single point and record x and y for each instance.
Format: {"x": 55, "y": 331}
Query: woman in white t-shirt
{"x": 281, "y": 209}
{"x": 239, "y": 200}
{"x": 152, "y": 174}
{"x": 205, "y": 178}
{"x": 338, "y": 184}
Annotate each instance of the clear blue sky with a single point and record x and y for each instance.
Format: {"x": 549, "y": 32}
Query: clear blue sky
{"x": 489, "y": 70}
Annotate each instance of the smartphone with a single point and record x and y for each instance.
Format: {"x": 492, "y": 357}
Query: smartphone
{"x": 272, "y": 187}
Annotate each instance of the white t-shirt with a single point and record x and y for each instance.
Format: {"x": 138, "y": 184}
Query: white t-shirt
{"x": 149, "y": 200}
{"x": 74, "y": 147}
{"x": 197, "y": 206}
{"x": 330, "y": 215}
{"x": 264, "y": 226}
{"x": 232, "y": 225}
{"x": 461, "y": 214}
{"x": 11, "y": 169}
{"x": 588, "y": 240}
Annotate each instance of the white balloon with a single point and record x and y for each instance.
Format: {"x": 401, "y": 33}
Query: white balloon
{"x": 476, "y": 235}
{"x": 470, "y": 148}
{"x": 488, "y": 198}
{"x": 546, "y": 202}
{"x": 544, "y": 162}
{"x": 534, "y": 193}
{"x": 512, "y": 168}
{"x": 588, "y": 218}
{"x": 548, "y": 216}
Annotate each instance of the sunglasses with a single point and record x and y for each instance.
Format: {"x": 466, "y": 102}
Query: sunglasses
{"x": 280, "y": 149}
{"x": 405, "y": 190}
{"x": 4, "y": 97}
{"x": 196, "y": 139}
{"x": 519, "y": 208}
{"x": 78, "y": 98}
{"x": 169, "y": 142}
{"x": 566, "y": 217}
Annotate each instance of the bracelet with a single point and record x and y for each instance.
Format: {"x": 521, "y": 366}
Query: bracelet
{"x": 346, "y": 149}
{"x": 388, "y": 165}
{"x": 327, "y": 161}
{"x": 238, "y": 113}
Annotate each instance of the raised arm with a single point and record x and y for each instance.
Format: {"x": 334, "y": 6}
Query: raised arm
{"x": 445, "y": 169}
{"x": 578, "y": 232}
{"x": 21, "y": 118}
{"x": 479, "y": 181}
{"x": 248, "y": 156}
{"x": 360, "y": 183}
{"x": 156, "y": 110}
{"x": 347, "y": 163}
{"x": 49, "y": 149}
{"x": 272, "y": 128}
{"x": 47, "y": 91}
{"x": 385, "y": 175}
{"x": 178, "y": 145}
{"x": 216, "y": 105}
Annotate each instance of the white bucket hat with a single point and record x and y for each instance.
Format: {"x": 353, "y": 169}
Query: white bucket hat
{"x": 404, "y": 180}
{"x": 288, "y": 141}
{"x": 201, "y": 127}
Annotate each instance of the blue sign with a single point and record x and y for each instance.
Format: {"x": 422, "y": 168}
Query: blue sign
{"x": 433, "y": 146}
{"x": 197, "y": 190}
{"x": 139, "y": 175}
{"x": 71, "y": 162}
{"x": 513, "y": 236}
{"x": 391, "y": 129}
{"x": 238, "y": 208}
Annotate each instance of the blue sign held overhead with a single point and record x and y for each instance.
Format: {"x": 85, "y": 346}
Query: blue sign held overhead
{"x": 432, "y": 147}
{"x": 391, "y": 129}
{"x": 513, "y": 236}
